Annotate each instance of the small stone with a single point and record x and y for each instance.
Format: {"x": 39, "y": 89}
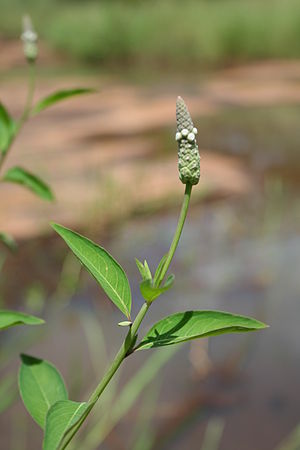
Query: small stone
{"x": 195, "y": 131}
{"x": 178, "y": 136}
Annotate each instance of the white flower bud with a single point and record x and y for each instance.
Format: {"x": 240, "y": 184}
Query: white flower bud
{"x": 185, "y": 132}
{"x": 191, "y": 137}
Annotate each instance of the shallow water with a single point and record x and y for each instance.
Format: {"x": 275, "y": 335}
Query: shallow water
{"x": 229, "y": 261}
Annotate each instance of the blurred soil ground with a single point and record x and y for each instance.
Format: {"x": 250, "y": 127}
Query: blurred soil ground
{"x": 104, "y": 153}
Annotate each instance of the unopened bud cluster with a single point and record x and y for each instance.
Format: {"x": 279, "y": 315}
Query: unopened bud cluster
{"x": 29, "y": 38}
{"x": 188, "y": 153}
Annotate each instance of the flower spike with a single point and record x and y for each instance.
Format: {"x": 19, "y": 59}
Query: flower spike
{"x": 188, "y": 153}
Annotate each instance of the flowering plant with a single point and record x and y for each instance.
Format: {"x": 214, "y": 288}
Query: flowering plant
{"x": 41, "y": 386}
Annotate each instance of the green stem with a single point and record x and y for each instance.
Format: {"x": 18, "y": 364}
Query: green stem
{"x": 122, "y": 353}
{"x": 130, "y": 339}
{"x": 30, "y": 94}
{"x": 26, "y": 111}
{"x": 119, "y": 358}
{"x": 181, "y": 220}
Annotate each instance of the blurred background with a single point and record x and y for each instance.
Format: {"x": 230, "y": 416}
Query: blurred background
{"x": 111, "y": 159}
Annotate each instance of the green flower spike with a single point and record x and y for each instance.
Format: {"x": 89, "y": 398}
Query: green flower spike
{"x": 29, "y": 38}
{"x": 188, "y": 153}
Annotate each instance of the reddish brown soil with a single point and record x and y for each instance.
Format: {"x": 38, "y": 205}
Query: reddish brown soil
{"x": 102, "y": 153}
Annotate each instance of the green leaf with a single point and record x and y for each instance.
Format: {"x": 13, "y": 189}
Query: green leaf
{"x": 32, "y": 182}
{"x": 9, "y": 241}
{"x": 150, "y": 292}
{"x": 58, "y": 97}
{"x": 13, "y": 318}
{"x": 144, "y": 269}
{"x": 7, "y": 129}
{"x": 141, "y": 268}
{"x": 159, "y": 268}
{"x": 184, "y": 326}
{"x": 101, "y": 265}
{"x": 147, "y": 271}
{"x": 61, "y": 419}
{"x": 40, "y": 385}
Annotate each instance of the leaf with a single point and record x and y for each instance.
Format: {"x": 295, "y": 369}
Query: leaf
{"x": 150, "y": 292}
{"x": 12, "y": 318}
{"x": 147, "y": 271}
{"x": 61, "y": 419}
{"x": 40, "y": 385}
{"x": 159, "y": 268}
{"x": 101, "y": 265}
{"x": 32, "y": 182}
{"x": 141, "y": 268}
{"x": 9, "y": 241}
{"x": 58, "y": 96}
{"x": 7, "y": 129}
{"x": 144, "y": 269}
{"x": 184, "y": 326}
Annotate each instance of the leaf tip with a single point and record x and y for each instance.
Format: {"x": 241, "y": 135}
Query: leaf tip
{"x": 55, "y": 226}
{"x": 263, "y": 325}
{"x": 50, "y": 197}
{"x": 28, "y": 360}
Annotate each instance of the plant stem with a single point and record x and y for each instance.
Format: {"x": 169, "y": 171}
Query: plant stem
{"x": 26, "y": 111}
{"x": 181, "y": 220}
{"x": 121, "y": 354}
{"x": 30, "y": 94}
{"x": 130, "y": 339}
{"x": 119, "y": 358}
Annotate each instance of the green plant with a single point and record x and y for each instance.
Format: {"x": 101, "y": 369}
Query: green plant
{"x": 212, "y": 33}
{"x": 9, "y": 130}
{"x": 10, "y": 127}
{"x": 42, "y": 388}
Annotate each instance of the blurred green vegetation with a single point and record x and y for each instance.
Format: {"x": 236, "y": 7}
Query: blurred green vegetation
{"x": 168, "y": 33}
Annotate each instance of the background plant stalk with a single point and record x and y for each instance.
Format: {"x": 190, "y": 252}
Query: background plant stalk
{"x": 130, "y": 339}
{"x": 26, "y": 112}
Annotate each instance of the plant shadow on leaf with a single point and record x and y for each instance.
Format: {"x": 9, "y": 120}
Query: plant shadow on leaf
{"x": 185, "y": 326}
{"x": 169, "y": 337}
